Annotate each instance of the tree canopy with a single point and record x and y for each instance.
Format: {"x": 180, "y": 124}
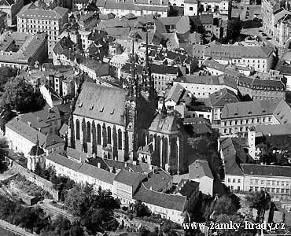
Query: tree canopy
{"x": 21, "y": 96}
{"x": 3, "y": 153}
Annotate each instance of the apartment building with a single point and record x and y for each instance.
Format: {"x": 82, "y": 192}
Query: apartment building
{"x": 238, "y": 118}
{"x": 138, "y": 8}
{"x": 259, "y": 58}
{"x": 203, "y": 86}
{"x": 273, "y": 179}
{"x": 33, "y": 19}
{"x": 11, "y": 8}
{"x": 261, "y": 88}
{"x": 20, "y": 50}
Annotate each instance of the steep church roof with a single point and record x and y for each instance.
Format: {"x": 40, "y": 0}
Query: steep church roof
{"x": 165, "y": 124}
{"x": 101, "y": 103}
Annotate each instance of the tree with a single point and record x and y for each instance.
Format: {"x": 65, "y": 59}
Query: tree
{"x": 261, "y": 201}
{"x": 141, "y": 209}
{"x": 227, "y": 204}
{"x": 3, "y": 154}
{"x": 75, "y": 201}
{"x": 19, "y": 96}
{"x": 233, "y": 29}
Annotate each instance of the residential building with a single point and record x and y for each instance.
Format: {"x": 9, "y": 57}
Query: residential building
{"x": 169, "y": 206}
{"x": 22, "y": 137}
{"x": 47, "y": 120}
{"x": 259, "y": 89}
{"x": 238, "y": 118}
{"x": 256, "y": 57}
{"x": 203, "y": 86}
{"x": 125, "y": 185}
{"x": 80, "y": 172}
{"x": 163, "y": 76}
{"x": 190, "y": 7}
{"x": 11, "y": 8}
{"x": 231, "y": 154}
{"x": 284, "y": 67}
{"x": 217, "y": 101}
{"x": 276, "y": 180}
{"x": 199, "y": 171}
{"x": 275, "y": 136}
{"x": 218, "y": 8}
{"x": 138, "y": 8}
{"x": 21, "y": 50}
{"x": 33, "y": 19}
{"x": 268, "y": 10}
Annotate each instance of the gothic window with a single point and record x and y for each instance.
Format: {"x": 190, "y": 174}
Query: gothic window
{"x": 78, "y": 129}
{"x": 119, "y": 139}
{"x": 88, "y": 132}
{"x": 109, "y": 134}
{"x": 99, "y": 134}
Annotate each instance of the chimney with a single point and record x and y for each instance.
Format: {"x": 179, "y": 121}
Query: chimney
{"x": 99, "y": 165}
{"x": 134, "y": 163}
{"x": 125, "y": 164}
{"x": 29, "y": 123}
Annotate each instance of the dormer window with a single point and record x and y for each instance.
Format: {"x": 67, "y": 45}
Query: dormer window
{"x": 112, "y": 112}
{"x": 91, "y": 107}
{"x": 80, "y": 104}
{"x": 102, "y": 109}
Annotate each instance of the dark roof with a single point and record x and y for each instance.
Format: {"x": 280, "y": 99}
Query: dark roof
{"x": 53, "y": 139}
{"x": 206, "y": 19}
{"x": 158, "y": 180}
{"x": 260, "y": 84}
{"x": 230, "y": 156}
{"x": 187, "y": 188}
{"x": 200, "y": 168}
{"x": 165, "y": 124}
{"x": 222, "y": 97}
{"x": 266, "y": 170}
{"x": 249, "y": 109}
{"x": 102, "y": 103}
{"x": 36, "y": 151}
{"x": 129, "y": 178}
{"x": 164, "y": 200}
{"x": 176, "y": 92}
{"x": 163, "y": 69}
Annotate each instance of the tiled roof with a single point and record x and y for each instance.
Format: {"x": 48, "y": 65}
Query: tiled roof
{"x": 206, "y": 19}
{"x": 76, "y": 155}
{"x": 230, "y": 155}
{"x": 7, "y": 2}
{"x": 209, "y": 80}
{"x": 273, "y": 130}
{"x": 83, "y": 168}
{"x": 158, "y": 180}
{"x": 53, "y": 139}
{"x": 164, "y": 200}
{"x": 42, "y": 118}
{"x": 220, "y": 51}
{"x": 198, "y": 169}
{"x": 260, "y": 84}
{"x": 102, "y": 103}
{"x": 163, "y": 69}
{"x": 188, "y": 188}
{"x": 129, "y": 178}
{"x": 31, "y": 11}
{"x": 249, "y": 109}
{"x": 222, "y": 97}
{"x": 266, "y": 170}
{"x": 167, "y": 124}
{"x": 26, "y": 131}
{"x": 176, "y": 92}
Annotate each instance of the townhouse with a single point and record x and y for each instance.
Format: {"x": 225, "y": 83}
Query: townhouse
{"x": 33, "y": 19}
{"x": 238, "y": 118}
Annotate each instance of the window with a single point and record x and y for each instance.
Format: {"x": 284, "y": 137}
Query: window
{"x": 238, "y": 180}
{"x": 233, "y": 180}
{"x": 109, "y": 134}
{"x": 119, "y": 139}
{"x": 99, "y": 134}
{"x": 77, "y": 129}
{"x": 228, "y": 180}
{"x": 88, "y": 132}
{"x": 191, "y": 8}
{"x": 262, "y": 181}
